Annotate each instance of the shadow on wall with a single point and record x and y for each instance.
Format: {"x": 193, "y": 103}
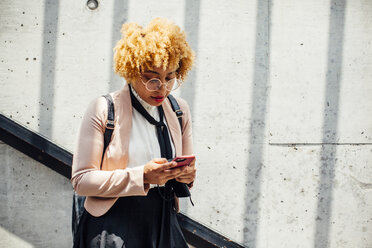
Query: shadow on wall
{"x": 192, "y": 17}
{"x": 260, "y": 95}
{"x": 120, "y": 16}
{"x": 330, "y": 122}
{"x": 48, "y": 62}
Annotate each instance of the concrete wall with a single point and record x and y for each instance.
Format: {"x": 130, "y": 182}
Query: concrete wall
{"x": 35, "y": 203}
{"x": 280, "y": 98}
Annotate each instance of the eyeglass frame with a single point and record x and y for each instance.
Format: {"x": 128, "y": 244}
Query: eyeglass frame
{"x": 161, "y": 83}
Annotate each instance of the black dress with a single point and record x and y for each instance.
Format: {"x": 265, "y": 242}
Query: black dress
{"x": 133, "y": 222}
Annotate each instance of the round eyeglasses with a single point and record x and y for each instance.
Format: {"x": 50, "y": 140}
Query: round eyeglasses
{"x": 154, "y": 84}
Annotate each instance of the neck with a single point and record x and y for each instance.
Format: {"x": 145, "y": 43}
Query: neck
{"x": 149, "y": 108}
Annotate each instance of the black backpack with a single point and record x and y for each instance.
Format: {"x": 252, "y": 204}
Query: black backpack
{"x": 78, "y": 201}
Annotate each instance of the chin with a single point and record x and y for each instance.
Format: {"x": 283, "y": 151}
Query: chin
{"x": 157, "y": 104}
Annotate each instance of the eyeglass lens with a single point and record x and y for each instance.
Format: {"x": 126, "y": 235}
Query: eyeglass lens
{"x": 155, "y": 84}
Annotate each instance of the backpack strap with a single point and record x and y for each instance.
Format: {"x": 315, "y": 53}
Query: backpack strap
{"x": 78, "y": 201}
{"x": 176, "y": 109}
{"x": 110, "y": 124}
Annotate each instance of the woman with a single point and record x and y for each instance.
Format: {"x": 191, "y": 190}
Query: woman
{"x": 129, "y": 201}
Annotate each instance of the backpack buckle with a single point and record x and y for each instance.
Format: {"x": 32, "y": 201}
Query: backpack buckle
{"x": 110, "y": 124}
{"x": 179, "y": 113}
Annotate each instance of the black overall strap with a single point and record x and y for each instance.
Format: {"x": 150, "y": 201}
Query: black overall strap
{"x": 110, "y": 124}
{"x": 176, "y": 108}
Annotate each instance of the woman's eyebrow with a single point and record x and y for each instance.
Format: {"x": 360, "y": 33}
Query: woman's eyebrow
{"x": 149, "y": 71}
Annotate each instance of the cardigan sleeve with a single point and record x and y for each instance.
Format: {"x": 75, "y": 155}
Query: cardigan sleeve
{"x": 187, "y": 143}
{"x": 87, "y": 178}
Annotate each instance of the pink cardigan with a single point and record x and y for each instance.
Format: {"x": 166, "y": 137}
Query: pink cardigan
{"x": 103, "y": 187}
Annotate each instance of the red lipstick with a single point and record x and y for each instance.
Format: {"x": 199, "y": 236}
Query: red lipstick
{"x": 158, "y": 98}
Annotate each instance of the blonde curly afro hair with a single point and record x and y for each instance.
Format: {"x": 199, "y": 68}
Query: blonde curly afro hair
{"x": 161, "y": 43}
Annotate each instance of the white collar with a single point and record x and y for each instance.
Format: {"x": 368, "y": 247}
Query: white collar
{"x": 149, "y": 108}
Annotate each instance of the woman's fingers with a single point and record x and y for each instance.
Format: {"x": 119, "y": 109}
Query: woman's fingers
{"x": 161, "y": 164}
{"x": 173, "y": 173}
{"x": 184, "y": 179}
{"x": 159, "y": 170}
{"x": 160, "y": 160}
{"x": 187, "y": 175}
{"x": 166, "y": 166}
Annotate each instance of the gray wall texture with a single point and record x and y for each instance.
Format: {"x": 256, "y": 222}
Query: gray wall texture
{"x": 281, "y": 103}
{"x": 35, "y": 203}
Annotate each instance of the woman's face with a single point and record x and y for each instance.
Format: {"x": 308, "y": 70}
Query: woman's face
{"x": 154, "y": 98}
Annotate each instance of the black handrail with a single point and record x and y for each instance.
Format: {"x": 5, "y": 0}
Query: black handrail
{"x": 35, "y": 146}
{"x": 60, "y": 160}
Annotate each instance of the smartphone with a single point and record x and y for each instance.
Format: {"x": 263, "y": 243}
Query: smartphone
{"x": 183, "y": 160}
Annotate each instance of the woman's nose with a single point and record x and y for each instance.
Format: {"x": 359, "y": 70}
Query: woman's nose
{"x": 162, "y": 88}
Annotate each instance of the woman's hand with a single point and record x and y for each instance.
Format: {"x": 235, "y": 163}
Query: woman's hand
{"x": 158, "y": 171}
{"x": 188, "y": 173}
